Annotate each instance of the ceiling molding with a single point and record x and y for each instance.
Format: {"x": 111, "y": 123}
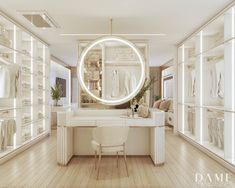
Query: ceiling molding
{"x": 59, "y": 61}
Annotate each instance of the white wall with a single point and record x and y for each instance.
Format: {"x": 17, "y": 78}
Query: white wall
{"x": 60, "y": 71}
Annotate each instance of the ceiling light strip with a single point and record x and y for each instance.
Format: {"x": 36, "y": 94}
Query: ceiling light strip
{"x": 117, "y": 34}
{"x": 201, "y": 86}
{"x": 183, "y": 89}
{"x": 233, "y": 92}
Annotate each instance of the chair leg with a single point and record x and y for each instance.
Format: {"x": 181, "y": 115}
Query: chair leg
{"x": 124, "y": 155}
{"x": 95, "y": 159}
{"x": 98, "y": 170}
{"x": 117, "y": 159}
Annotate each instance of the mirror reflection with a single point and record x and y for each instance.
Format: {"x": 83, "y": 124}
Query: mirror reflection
{"x": 112, "y": 71}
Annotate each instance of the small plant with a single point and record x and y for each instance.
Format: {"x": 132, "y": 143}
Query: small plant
{"x": 157, "y": 97}
{"x": 56, "y": 93}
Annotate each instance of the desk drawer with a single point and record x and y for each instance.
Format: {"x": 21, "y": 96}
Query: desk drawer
{"x": 138, "y": 122}
{"x": 77, "y": 122}
{"x": 111, "y": 122}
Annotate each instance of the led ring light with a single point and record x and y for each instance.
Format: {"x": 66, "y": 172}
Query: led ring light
{"x": 80, "y": 68}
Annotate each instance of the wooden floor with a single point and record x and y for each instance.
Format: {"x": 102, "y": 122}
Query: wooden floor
{"x": 37, "y": 167}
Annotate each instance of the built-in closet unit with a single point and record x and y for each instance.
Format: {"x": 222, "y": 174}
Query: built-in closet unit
{"x": 206, "y": 87}
{"x": 99, "y": 64}
{"x": 24, "y": 108}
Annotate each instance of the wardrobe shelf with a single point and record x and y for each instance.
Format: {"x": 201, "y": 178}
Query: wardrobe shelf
{"x": 187, "y": 63}
{"x": 5, "y": 61}
{"x": 27, "y": 74}
{"x": 32, "y": 122}
{"x": 219, "y": 152}
{"x": 188, "y": 104}
{"x": 40, "y": 76}
{"x": 116, "y": 63}
{"x": 215, "y": 48}
{"x": 8, "y": 108}
{"x": 218, "y": 108}
{"x": 33, "y": 138}
{"x": 7, "y": 49}
{"x": 26, "y": 56}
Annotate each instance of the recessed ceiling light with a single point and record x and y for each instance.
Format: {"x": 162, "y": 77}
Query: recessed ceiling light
{"x": 39, "y": 19}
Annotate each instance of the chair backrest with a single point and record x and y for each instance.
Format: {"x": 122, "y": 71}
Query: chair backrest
{"x": 110, "y": 135}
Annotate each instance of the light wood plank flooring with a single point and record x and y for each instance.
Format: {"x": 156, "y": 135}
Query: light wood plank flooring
{"x": 37, "y": 167}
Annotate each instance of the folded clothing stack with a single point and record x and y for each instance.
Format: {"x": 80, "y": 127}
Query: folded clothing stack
{"x": 40, "y": 87}
{"x": 26, "y": 52}
{"x": 40, "y": 58}
{"x": 26, "y": 102}
{"x": 25, "y": 70}
{"x": 26, "y": 85}
{"x": 7, "y": 131}
{"x": 40, "y": 73}
{"x": 26, "y": 136}
{"x": 4, "y": 40}
{"x": 40, "y": 101}
{"x": 40, "y": 130}
{"x": 26, "y": 118}
{"x": 40, "y": 115}
{"x": 5, "y": 57}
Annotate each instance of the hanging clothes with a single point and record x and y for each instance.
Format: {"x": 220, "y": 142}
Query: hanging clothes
{"x": 220, "y": 79}
{"x": 127, "y": 83}
{"x": 133, "y": 83}
{"x": 191, "y": 121}
{"x": 14, "y": 71}
{"x": 193, "y": 83}
{"x": 11, "y": 130}
{"x": 216, "y": 130}
{"x": 213, "y": 77}
{"x": 115, "y": 84}
{"x": 4, "y": 82}
{"x": 190, "y": 81}
{"x": 7, "y": 131}
{"x": 9, "y": 81}
{"x": 3, "y": 130}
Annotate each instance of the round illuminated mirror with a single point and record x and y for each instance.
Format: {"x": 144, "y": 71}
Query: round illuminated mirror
{"x": 111, "y": 70}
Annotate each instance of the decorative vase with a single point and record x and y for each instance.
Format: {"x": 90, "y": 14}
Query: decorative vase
{"x": 55, "y": 102}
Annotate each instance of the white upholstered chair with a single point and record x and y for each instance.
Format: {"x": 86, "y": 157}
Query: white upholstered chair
{"x": 109, "y": 139}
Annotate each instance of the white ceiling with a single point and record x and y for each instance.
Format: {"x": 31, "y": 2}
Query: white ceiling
{"x": 175, "y": 18}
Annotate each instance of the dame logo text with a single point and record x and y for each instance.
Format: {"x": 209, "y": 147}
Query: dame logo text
{"x": 212, "y": 179}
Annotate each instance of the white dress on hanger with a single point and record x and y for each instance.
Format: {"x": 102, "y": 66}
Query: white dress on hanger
{"x": 191, "y": 82}
{"x": 220, "y": 78}
{"x": 4, "y": 82}
{"x": 115, "y": 84}
{"x": 213, "y": 77}
{"x": 133, "y": 83}
{"x": 127, "y": 83}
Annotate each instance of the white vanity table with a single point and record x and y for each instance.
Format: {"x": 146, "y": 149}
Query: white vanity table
{"x": 104, "y": 70}
{"x": 146, "y": 136}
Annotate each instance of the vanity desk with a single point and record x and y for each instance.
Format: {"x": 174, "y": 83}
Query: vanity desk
{"x": 74, "y": 133}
